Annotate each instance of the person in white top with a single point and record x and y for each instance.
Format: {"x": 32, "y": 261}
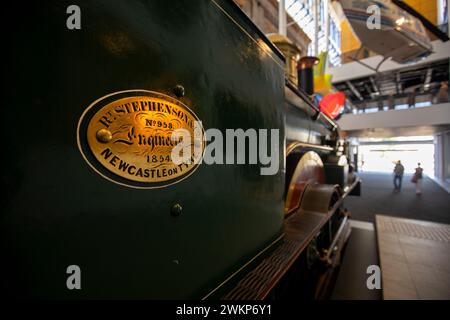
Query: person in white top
{"x": 417, "y": 179}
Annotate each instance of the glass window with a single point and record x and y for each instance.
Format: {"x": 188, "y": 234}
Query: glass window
{"x": 401, "y": 107}
{"x": 442, "y": 12}
{"x": 423, "y": 104}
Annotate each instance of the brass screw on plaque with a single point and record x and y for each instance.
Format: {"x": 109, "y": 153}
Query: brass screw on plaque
{"x": 176, "y": 210}
{"x": 179, "y": 90}
{"x": 104, "y": 135}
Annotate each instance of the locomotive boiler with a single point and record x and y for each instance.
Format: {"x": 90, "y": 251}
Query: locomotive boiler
{"x": 89, "y": 183}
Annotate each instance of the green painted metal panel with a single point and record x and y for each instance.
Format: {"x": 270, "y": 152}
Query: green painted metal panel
{"x": 56, "y": 211}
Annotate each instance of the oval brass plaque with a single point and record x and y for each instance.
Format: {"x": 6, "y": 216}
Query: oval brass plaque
{"x": 129, "y": 134}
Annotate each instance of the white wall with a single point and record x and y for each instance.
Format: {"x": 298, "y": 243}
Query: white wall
{"x": 442, "y": 156}
{"x": 438, "y": 114}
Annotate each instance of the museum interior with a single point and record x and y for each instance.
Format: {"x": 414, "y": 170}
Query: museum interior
{"x": 232, "y": 150}
{"x": 394, "y": 111}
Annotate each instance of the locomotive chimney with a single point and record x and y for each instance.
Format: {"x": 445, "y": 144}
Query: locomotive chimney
{"x": 306, "y": 73}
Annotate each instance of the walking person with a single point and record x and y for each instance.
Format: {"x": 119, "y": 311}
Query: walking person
{"x": 417, "y": 179}
{"x": 398, "y": 175}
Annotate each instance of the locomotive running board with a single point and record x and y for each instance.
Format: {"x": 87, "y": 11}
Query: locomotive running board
{"x": 300, "y": 228}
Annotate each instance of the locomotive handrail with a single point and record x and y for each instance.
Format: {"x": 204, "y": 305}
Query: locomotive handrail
{"x": 318, "y": 115}
{"x": 334, "y": 244}
{"x": 300, "y": 229}
{"x": 294, "y": 145}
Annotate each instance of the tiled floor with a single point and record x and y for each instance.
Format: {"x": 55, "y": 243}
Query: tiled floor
{"x": 415, "y": 258}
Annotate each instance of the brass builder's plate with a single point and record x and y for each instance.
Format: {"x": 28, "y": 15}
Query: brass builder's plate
{"x": 129, "y": 134}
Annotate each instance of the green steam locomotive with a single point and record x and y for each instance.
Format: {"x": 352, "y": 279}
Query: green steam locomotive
{"x": 94, "y": 204}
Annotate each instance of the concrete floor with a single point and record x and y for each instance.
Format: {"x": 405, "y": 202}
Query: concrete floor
{"x": 378, "y": 197}
{"x": 361, "y": 252}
